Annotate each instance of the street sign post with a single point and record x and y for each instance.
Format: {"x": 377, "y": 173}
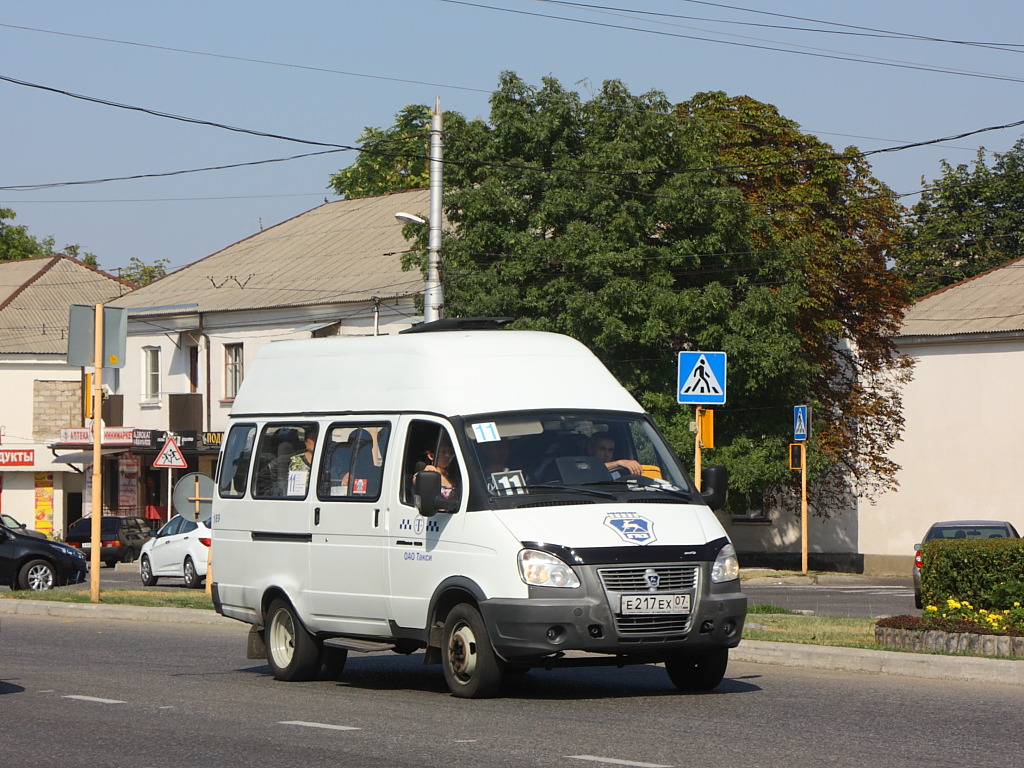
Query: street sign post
{"x": 801, "y": 423}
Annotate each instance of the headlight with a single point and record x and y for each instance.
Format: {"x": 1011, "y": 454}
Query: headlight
{"x": 543, "y": 570}
{"x": 727, "y": 566}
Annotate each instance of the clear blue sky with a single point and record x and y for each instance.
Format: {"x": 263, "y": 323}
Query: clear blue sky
{"x": 355, "y": 64}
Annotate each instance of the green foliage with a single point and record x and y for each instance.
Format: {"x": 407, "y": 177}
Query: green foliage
{"x": 16, "y": 243}
{"x": 969, "y": 220}
{"x": 138, "y": 273}
{"x": 986, "y": 573}
{"x": 644, "y": 228}
{"x": 390, "y": 159}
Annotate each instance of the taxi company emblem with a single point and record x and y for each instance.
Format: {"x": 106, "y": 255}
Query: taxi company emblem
{"x": 635, "y": 529}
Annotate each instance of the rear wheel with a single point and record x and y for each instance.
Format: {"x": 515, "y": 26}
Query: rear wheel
{"x": 291, "y": 652}
{"x": 146, "y": 572}
{"x": 701, "y": 672}
{"x": 37, "y": 575}
{"x": 471, "y": 668}
{"x": 129, "y": 556}
{"x": 192, "y": 579}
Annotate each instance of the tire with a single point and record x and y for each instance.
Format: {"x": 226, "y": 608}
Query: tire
{"x": 110, "y": 563}
{"x": 292, "y": 654}
{"x": 330, "y": 663}
{"x": 129, "y": 556}
{"x": 697, "y": 673}
{"x": 146, "y": 572}
{"x": 471, "y": 668}
{"x": 192, "y": 579}
{"x": 37, "y": 575}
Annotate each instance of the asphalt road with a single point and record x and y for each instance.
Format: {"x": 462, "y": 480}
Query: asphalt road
{"x": 835, "y": 595}
{"x": 94, "y": 692}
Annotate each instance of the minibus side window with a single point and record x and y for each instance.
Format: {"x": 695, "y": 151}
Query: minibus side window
{"x": 282, "y": 461}
{"x": 234, "y": 470}
{"x": 352, "y": 462}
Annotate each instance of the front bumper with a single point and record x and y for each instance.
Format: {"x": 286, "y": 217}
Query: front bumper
{"x": 548, "y": 622}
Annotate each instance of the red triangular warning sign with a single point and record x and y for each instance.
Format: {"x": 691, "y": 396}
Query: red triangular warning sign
{"x": 170, "y": 457}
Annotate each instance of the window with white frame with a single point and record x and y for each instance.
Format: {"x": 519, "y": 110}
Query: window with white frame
{"x": 233, "y": 370}
{"x": 151, "y": 373}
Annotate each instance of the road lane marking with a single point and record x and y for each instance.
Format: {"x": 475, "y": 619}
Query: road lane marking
{"x": 326, "y": 726}
{"x": 612, "y": 761}
{"x": 95, "y": 699}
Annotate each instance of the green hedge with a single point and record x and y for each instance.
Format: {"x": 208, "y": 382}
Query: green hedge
{"x": 987, "y": 573}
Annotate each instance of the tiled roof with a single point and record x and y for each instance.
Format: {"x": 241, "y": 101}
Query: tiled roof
{"x": 992, "y": 302}
{"x": 339, "y": 252}
{"x": 34, "y": 298}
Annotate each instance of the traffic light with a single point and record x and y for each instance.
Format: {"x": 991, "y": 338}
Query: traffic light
{"x": 796, "y": 456}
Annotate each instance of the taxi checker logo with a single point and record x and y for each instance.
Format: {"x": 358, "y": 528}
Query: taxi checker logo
{"x": 635, "y": 529}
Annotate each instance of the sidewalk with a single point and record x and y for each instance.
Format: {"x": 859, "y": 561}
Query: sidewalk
{"x": 894, "y": 663}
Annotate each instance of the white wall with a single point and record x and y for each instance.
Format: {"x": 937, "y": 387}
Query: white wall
{"x": 962, "y": 444}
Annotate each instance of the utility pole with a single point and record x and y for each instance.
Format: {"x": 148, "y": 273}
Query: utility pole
{"x": 433, "y": 296}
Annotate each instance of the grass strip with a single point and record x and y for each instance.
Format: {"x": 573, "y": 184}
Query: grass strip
{"x": 149, "y": 599}
{"x": 812, "y": 630}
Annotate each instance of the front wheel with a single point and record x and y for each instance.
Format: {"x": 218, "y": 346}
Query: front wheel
{"x": 37, "y": 575}
{"x": 701, "y": 672}
{"x": 471, "y": 668}
{"x": 192, "y": 579}
{"x": 146, "y": 572}
{"x": 292, "y": 654}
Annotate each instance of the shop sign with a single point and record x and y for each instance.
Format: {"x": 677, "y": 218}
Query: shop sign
{"x": 111, "y": 436}
{"x": 213, "y": 438}
{"x": 10, "y": 457}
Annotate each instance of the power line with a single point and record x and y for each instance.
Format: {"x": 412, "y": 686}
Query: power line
{"x": 816, "y": 53}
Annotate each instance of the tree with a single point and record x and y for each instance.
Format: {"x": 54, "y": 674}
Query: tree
{"x": 390, "y": 159}
{"x": 138, "y": 273}
{"x": 17, "y": 243}
{"x": 969, "y": 220}
{"x": 644, "y": 228}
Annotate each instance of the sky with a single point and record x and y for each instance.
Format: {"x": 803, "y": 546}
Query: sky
{"x": 872, "y": 74}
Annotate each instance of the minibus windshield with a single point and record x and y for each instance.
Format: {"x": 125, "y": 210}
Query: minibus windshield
{"x": 592, "y": 453}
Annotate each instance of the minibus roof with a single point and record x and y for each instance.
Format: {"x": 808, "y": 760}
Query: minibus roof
{"x": 449, "y": 373}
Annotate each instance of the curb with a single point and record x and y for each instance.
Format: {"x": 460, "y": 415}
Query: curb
{"x": 893, "y": 663}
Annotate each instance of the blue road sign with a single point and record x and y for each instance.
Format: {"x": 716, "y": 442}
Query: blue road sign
{"x": 801, "y": 423}
{"x": 701, "y": 378}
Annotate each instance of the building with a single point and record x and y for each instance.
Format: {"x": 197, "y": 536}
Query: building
{"x": 334, "y": 270}
{"x": 42, "y": 393}
{"x": 960, "y": 455}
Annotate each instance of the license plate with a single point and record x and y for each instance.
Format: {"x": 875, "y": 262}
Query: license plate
{"x": 634, "y": 604}
{"x": 86, "y": 545}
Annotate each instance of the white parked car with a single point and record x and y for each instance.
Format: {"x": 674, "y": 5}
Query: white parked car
{"x": 181, "y": 549}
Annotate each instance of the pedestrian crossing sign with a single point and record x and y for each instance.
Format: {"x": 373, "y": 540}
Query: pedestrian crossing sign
{"x": 701, "y": 378}
{"x": 801, "y": 423}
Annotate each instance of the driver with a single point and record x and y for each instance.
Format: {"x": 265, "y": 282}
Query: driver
{"x": 602, "y": 446}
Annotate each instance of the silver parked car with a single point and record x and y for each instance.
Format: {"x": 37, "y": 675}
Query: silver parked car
{"x": 960, "y": 529}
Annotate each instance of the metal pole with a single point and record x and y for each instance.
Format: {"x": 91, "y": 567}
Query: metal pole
{"x": 433, "y": 296}
{"x": 699, "y": 416}
{"x": 803, "y": 506}
{"x": 96, "y": 535}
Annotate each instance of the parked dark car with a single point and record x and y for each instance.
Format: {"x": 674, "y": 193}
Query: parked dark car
{"x": 960, "y": 529}
{"x": 14, "y": 525}
{"x": 121, "y": 537}
{"x": 27, "y": 562}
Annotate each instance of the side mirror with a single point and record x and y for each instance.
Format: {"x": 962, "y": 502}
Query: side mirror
{"x": 427, "y": 496}
{"x": 714, "y": 484}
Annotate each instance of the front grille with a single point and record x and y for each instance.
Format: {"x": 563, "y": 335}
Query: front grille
{"x": 672, "y": 578}
{"x": 652, "y": 625}
{"x": 634, "y": 580}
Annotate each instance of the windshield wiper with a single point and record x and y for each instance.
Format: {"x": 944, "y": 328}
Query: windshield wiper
{"x": 572, "y": 489}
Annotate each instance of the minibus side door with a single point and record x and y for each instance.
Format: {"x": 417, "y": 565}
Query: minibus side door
{"x": 348, "y": 588}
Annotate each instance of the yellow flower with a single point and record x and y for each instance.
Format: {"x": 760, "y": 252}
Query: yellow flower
{"x": 931, "y": 608}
